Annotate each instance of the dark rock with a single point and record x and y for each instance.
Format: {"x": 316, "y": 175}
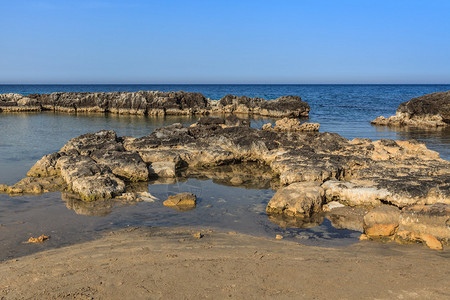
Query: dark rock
{"x": 431, "y": 110}
{"x": 153, "y": 103}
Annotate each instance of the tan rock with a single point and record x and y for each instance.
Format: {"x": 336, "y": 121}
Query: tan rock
{"x": 293, "y": 125}
{"x": 332, "y": 205}
{"x": 34, "y": 185}
{"x": 363, "y": 237}
{"x": 430, "y": 241}
{"x": 98, "y": 187}
{"x": 267, "y": 126}
{"x": 198, "y": 235}
{"x": 427, "y": 219}
{"x": 182, "y": 199}
{"x": 381, "y": 221}
{"x": 278, "y": 237}
{"x": 355, "y": 193}
{"x": 301, "y": 198}
{"x": 381, "y": 230}
{"x": 166, "y": 169}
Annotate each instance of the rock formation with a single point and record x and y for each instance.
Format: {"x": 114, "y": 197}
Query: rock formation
{"x": 428, "y": 111}
{"x": 314, "y": 168}
{"x": 182, "y": 201}
{"x": 154, "y": 103}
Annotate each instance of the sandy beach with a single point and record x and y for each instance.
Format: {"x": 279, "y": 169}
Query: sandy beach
{"x": 173, "y": 263}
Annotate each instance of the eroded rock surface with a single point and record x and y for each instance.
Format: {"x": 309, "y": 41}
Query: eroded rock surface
{"x": 428, "y": 111}
{"x": 154, "y": 103}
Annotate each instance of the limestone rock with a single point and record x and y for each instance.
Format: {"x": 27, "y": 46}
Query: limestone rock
{"x": 128, "y": 165}
{"x": 97, "y": 187}
{"x": 430, "y": 241}
{"x": 153, "y": 103}
{"x": 302, "y": 198}
{"x": 355, "y": 173}
{"x": 34, "y": 185}
{"x": 354, "y": 193}
{"x": 166, "y": 169}
{"x": 85, "y": 144}
{"x": 429, "y": 111}
{"x": 381, "y": 221}
{"x": 286, "y": 106}
{"x": 293, "y": 125}
{"x": 45, "y": 167}
{"x": 427, "y": 219}
{"x": 332, "y": 205}
{"x": 345, "y": 217}
{"x": 182, "y": 200}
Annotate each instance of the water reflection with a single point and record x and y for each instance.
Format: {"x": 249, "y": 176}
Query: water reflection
{"x": 296, "y": 221}
{"x": 437, "y": 139}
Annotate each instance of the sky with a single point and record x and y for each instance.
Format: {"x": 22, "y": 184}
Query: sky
{"x": 274, "y": 42}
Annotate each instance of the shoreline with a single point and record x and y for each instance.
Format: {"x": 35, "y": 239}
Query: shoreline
{"x": 172, "y": 263}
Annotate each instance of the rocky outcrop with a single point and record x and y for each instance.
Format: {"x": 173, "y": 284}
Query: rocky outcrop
{"x": 428, "y": 111}
{"x": 181, "y": 202}
{"x": 286, "y": 106}
{"x": 154, "y": 103}
{"x": 297, "y": 199}
{"x": 312, "y": 168}
{"x": 291, "y": 125}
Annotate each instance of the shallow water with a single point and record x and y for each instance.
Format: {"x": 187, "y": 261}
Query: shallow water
{"x": 26, "y": 137}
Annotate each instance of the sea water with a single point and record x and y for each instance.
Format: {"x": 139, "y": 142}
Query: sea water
{"x": 26, "y": 137}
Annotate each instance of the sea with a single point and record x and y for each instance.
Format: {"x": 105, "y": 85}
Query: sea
{"x": 26, "y": 137}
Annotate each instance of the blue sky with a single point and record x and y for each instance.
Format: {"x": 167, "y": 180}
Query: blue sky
{"x": 308, "y": 41}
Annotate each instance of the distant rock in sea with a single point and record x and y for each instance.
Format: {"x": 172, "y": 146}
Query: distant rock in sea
{"x": 428, "y": 111}
{"x": 154, "y": 103}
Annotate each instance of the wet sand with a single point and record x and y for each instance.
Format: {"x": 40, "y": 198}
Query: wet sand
{"x": 170, "y": 263}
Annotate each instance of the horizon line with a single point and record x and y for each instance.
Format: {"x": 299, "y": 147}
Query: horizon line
{"x": 224, "y": 83}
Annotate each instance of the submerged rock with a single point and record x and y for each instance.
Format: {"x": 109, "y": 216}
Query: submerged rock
{"x": 182, "y": 201}
{"x": 429, "y": 111}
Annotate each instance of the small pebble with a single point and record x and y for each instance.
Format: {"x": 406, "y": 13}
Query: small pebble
{"x": 198, "y": 235}
{"x": 278, "y": 237}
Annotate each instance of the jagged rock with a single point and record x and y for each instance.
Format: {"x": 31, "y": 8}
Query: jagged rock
{"x": 286, "y": 106}
{"x": 297, "y": 199}
{"x": 45, "y": 167}
{"x": 33, "y": 185}
{"x": 354, "y": 193}
{"x": 427, "y": 219}
{"x": 97, "y": 187}
{"x": 182, "y": 201}
{"x": 105, "y": 140}
{"x": 128, "y": 165}
{"x": 293, "y": 125}
{"x": 359, "y": 172}
{"x": 381, "y": 221}
{"x": 165, "y": 169}
{"x": 153, "y": 103}
{"x": 431, "y": 110}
